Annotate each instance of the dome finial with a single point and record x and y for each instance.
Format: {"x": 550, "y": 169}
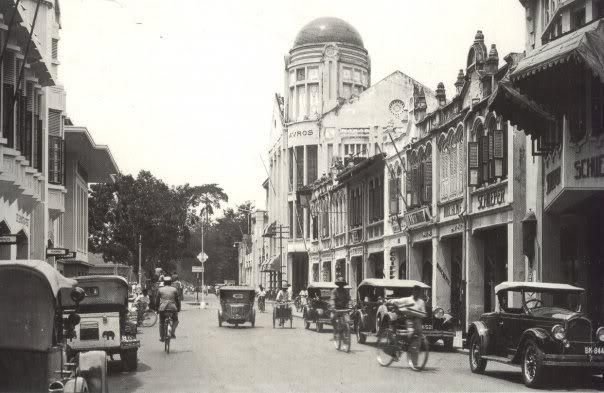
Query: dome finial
{"x": 479, "y": 36}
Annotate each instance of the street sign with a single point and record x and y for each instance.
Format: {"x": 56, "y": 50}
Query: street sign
{"x": 197, "y": 269}
{"x": 202, "y": 257}
{"x": 69, "y": 255}
{"x": 53, "y": 252}
{"x": 8, "y": 239}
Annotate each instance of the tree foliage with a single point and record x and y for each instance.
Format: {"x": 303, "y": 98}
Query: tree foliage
{"x": 145, "y": 206}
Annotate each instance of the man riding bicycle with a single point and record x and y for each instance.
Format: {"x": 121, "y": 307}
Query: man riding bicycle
{"x": 340, "y": 298}
{"x": 283, "y": 297}
{"x": 168, "y": 301}
{"x": 417, "y": 307}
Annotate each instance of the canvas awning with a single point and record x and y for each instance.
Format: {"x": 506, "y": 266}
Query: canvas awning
{"x": 585, "y": 45}
{"x": 519, "y": 110}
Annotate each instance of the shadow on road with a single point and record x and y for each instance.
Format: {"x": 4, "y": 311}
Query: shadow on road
{"x": 556, "y": 381}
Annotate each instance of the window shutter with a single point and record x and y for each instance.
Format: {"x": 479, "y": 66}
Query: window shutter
{"x": 427, "y": 181}
{"x": 473, "y": 164}
{"x": 484, "y": 152}
{"x": 446, "y": 176}
{"x": 460, "y": 167}
{"x": 392, "y": 188}
{"x": 453, "y": 171}
{"x": 54, "y": 122}
{"x": 491, "y": 155}
{"x": 409, "y": 185}
{"x": 498, "y": 152}
{"x": 9, "y": 69}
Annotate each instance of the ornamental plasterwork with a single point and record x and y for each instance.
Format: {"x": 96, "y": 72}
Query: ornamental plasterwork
{"x": 354, "y": 131}
{"x": 331, "y": 52}
{"x": 397, "y": 108}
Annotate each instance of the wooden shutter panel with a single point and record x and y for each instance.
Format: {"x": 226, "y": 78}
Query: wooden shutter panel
{"x": 473, "y": 164}
{"x": 409, "y": 185}
{"x": 491, "y": 155}
{"x": 9, "y": 69}
{"x": 392, "y": 184}
{"x": 498, "y": 152}
{"x": 427, "y": 181}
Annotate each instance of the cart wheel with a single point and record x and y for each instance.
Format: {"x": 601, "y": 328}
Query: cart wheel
{"x": 291, "y": 322}
{"x": 319, "y": 327}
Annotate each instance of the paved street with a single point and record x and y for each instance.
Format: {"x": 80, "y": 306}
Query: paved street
{"x": 206, "y": 358}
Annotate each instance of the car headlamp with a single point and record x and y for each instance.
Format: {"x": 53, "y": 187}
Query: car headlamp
{"x": 559, "y": 332}
{"x": 600, "y": 334}
{"x": 439, "y": 313}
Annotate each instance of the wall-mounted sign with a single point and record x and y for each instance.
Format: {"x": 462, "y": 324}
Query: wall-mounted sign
{"x": 589, "y": 167}
{"x": 418, "y": 216}
{"x": 8, "y": 239}
{"x": 68, "y": 255}
{"x": 302, "y": 137}
{"x": 491, "y": 198}
{"x": 452, "y": 209}
{"x": 356, "y": 251}
{"x": 53, "y": 252}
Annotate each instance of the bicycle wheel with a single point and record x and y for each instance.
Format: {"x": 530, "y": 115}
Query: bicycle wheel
{"x": 346, "y": 341}
{"x": 337, "y": 337}
{"x": 149, "y": 318}
{"x": 387, "y": 348}
{"x": 417, "y": 358}
{"x": 168, "y": 336}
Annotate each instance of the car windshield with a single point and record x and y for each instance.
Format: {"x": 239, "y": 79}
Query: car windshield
{"x": 552, "y": 304}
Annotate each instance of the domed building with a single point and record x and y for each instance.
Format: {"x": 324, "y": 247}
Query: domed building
{"x": 328, "y": 61}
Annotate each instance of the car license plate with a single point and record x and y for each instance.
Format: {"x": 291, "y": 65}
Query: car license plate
{"x": 427, "y": 327}
{"x": 594, "y": 350}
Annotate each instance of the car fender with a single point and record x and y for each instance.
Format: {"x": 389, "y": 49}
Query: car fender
{"x": 541, "y": 336}
{"x": 480, "y": 328}
{"x": 77, "y": 385}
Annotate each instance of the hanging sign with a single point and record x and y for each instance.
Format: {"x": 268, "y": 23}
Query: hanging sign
{"x": 68, "y": 255}
{"x": 53, "y": 252}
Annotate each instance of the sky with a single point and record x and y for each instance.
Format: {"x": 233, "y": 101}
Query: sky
{"x": 184, "y": 88}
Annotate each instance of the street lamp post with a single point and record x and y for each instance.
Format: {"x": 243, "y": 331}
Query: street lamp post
{"x": 140, "y": 271}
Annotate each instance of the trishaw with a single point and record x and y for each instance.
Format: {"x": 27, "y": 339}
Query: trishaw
{"x": 237, "y": 305}
{"x": 104, "y": 324}
{"x": 317, "y": 309}
{"x": 35, "y": 324}
{"x": 282, "y": 311}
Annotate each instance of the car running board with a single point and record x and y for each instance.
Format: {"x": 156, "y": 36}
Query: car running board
{"x": 499, "y": 359}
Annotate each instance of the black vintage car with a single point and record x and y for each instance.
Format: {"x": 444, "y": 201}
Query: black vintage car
{"x": 371, "y": 310}
{"x": 317, "y": 308}
{"x": 237, "y": 305}
{"x": 537, "y": 326}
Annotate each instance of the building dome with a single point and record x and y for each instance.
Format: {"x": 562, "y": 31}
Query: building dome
{"x": 327, "y": 29}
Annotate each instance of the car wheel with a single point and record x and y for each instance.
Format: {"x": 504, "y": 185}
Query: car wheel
{"x": 532, "y": 369}
{"x": 219, "y": 320}
{"x": 477, "y": 363}
{"x": 129, "y": 361}
{"x": 361, "y": 338}
{"x": 448, "y": 341}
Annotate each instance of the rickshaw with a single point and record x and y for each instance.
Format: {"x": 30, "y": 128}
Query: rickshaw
{"x": 35, "y": 324}
{"x": 317, "y": 309}
{"x": 237, "y": 305}
{"x": 104, "y": 323}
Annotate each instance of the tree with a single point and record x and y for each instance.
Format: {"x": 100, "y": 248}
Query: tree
{"x": 145, "y": 207}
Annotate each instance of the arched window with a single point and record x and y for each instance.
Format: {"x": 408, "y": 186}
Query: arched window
{"x": 22, "y": 246}
{"x": 488, "y": 155}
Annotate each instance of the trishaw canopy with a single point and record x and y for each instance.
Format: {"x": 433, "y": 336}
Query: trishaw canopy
{"x": 29, "y": 297}
{"x": 102, "y": 290}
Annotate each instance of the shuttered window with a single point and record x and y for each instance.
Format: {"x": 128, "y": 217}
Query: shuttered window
{"x": 492, "y": 152}
{"x": 311, "y": 170}
{"x": 445, "y": 174}
{"x": 54, "y": 122}
{"x": 56, "y": 160}
{"x": 427, "y": 180}
{"x": 55, "y": 49}
{"x": 473, "y": 164}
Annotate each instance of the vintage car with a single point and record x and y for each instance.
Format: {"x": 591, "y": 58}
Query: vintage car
{"x": 35, "y": 324}
{"x": 237, "y": 305}
{"x": 537, "y": 326}
{"x": 317, "y": 308}
{"x": 104, "y": 323}
{"x": 372, "y": 312}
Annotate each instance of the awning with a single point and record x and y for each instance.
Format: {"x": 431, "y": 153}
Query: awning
{"x": 273, "y": 266}
{"x": 269, "y": 230}
{"x": 519, "y": 110}
{"x": 585, "y": 45}
{"x": 96, "y": 160}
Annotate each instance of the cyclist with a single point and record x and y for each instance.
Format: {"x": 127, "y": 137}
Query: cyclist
{"x": 168, "y": 301}
{"x": 340, "y": 298}
{"x": 417, "y": 305}
{"x": 283, "y": 297}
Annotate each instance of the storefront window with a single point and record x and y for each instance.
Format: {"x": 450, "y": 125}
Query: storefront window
{"x": 326, "y": 272}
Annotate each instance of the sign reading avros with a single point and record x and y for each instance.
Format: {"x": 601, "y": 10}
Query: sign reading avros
{"x": 302, "y": 137}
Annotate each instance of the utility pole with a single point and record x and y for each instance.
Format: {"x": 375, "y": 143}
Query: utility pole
{"x": 140, "y": 271}
{"x": 281, "y": 254}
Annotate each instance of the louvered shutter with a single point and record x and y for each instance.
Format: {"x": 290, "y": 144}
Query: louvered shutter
{"x": 484, "y": 152}
{"x": 491, "y": 155}
{"x": 54, "y": 122}
{"x": 460, "y": 167}
{"x": 409, "y": 184}
{"x": 392, "y": 188}
{"x": 473, "y": 164}
{"x": 453, "y": 171}
{"x": 498, "y": 152}
{"x": 9, "y": 69}
{"x": 427, "y": 172}
{"x": 446, "y": 174}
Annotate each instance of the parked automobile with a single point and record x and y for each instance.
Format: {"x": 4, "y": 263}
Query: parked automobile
{"x": 317, "y": 309}
{"x": 237, "y": 305}
{"x": 371, "y": 310}
{"x": 537, "y": 326}
{"x": 35, "y": 325}
{"x": 104, "y": 323}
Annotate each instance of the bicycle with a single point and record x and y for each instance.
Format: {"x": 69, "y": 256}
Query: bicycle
{"x": 149, "y": 318}
{"x": 341, "y": 330}
{"x": 393, "y": 341}
{"x": 168, "y": 329}
{"x": 261, "y": 303}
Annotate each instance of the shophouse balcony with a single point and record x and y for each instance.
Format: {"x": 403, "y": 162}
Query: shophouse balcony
{"x": 56, "y": 200}
{"x": 18, "y": 179}
{"x": 339, "y": 240}
{"x": 356, "y": 235}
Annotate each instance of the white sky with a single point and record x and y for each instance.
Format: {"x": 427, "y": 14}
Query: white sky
{"x": 184, "y": 88}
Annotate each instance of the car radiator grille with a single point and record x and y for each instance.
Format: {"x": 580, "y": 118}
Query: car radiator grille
{"x": 579, "y": 330}
{"x": 238, "y": 311}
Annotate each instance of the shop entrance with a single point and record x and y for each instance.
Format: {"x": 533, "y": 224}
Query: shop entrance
{"x": 356, "y": 265}
{"x": 299, "y": 271}
{"x": 582, "y": 253}
{"x": 376, "y": 265}
{"x": 495, "y": 263}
